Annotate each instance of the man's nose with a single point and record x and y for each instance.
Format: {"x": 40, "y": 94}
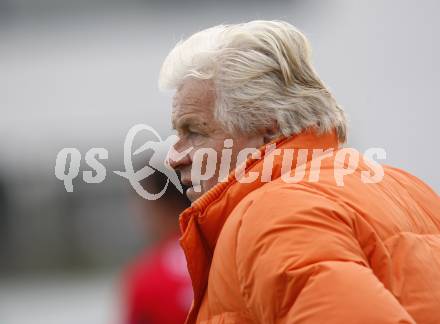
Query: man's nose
{"x": 179, "y": 156}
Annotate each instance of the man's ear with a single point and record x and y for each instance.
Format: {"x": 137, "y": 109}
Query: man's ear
{"x": 271, "y": 132}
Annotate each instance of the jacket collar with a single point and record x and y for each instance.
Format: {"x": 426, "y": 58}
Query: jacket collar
{"x": 201, "y": 223}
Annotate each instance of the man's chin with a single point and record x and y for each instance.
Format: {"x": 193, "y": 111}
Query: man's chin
{"x": 192, "y": 194}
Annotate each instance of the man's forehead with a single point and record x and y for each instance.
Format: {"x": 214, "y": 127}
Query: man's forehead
{"x": 194, "y": 92}
{"x": 193, "y": 97}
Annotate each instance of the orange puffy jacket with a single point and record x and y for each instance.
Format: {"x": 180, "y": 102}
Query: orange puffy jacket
{"x": 315, "y": 251}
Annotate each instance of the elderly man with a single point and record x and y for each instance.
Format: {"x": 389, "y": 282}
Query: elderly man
{"x": 343, "y": 240}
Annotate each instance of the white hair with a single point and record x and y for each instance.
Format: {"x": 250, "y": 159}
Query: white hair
{"x": 262, "y": 73}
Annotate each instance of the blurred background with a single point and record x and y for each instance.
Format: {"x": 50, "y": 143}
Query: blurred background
{"x": 81, "y": 73}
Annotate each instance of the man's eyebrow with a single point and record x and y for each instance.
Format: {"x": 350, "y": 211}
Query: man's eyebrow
{"x": 185, "y": 122}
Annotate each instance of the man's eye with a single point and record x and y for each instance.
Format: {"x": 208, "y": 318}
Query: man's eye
{"x": 193, "y": 133}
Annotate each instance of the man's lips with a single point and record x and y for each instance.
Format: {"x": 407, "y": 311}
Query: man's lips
{"x": 186, "y": 182}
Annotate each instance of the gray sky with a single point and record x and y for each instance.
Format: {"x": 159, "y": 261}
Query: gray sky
{"x": 83, "y": 78}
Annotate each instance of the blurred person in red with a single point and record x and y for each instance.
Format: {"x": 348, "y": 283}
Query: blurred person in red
{"x": 157, "y": 287}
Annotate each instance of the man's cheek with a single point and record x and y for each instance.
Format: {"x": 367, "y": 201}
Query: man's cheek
{"x": 208, "y": 184}
{"x": 203, "y": 165}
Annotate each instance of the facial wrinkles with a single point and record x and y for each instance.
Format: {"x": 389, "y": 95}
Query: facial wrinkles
{"x": 193, "y": 118}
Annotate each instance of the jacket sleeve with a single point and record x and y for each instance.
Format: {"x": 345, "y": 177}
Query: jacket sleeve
{"x": 298, "y": 261}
